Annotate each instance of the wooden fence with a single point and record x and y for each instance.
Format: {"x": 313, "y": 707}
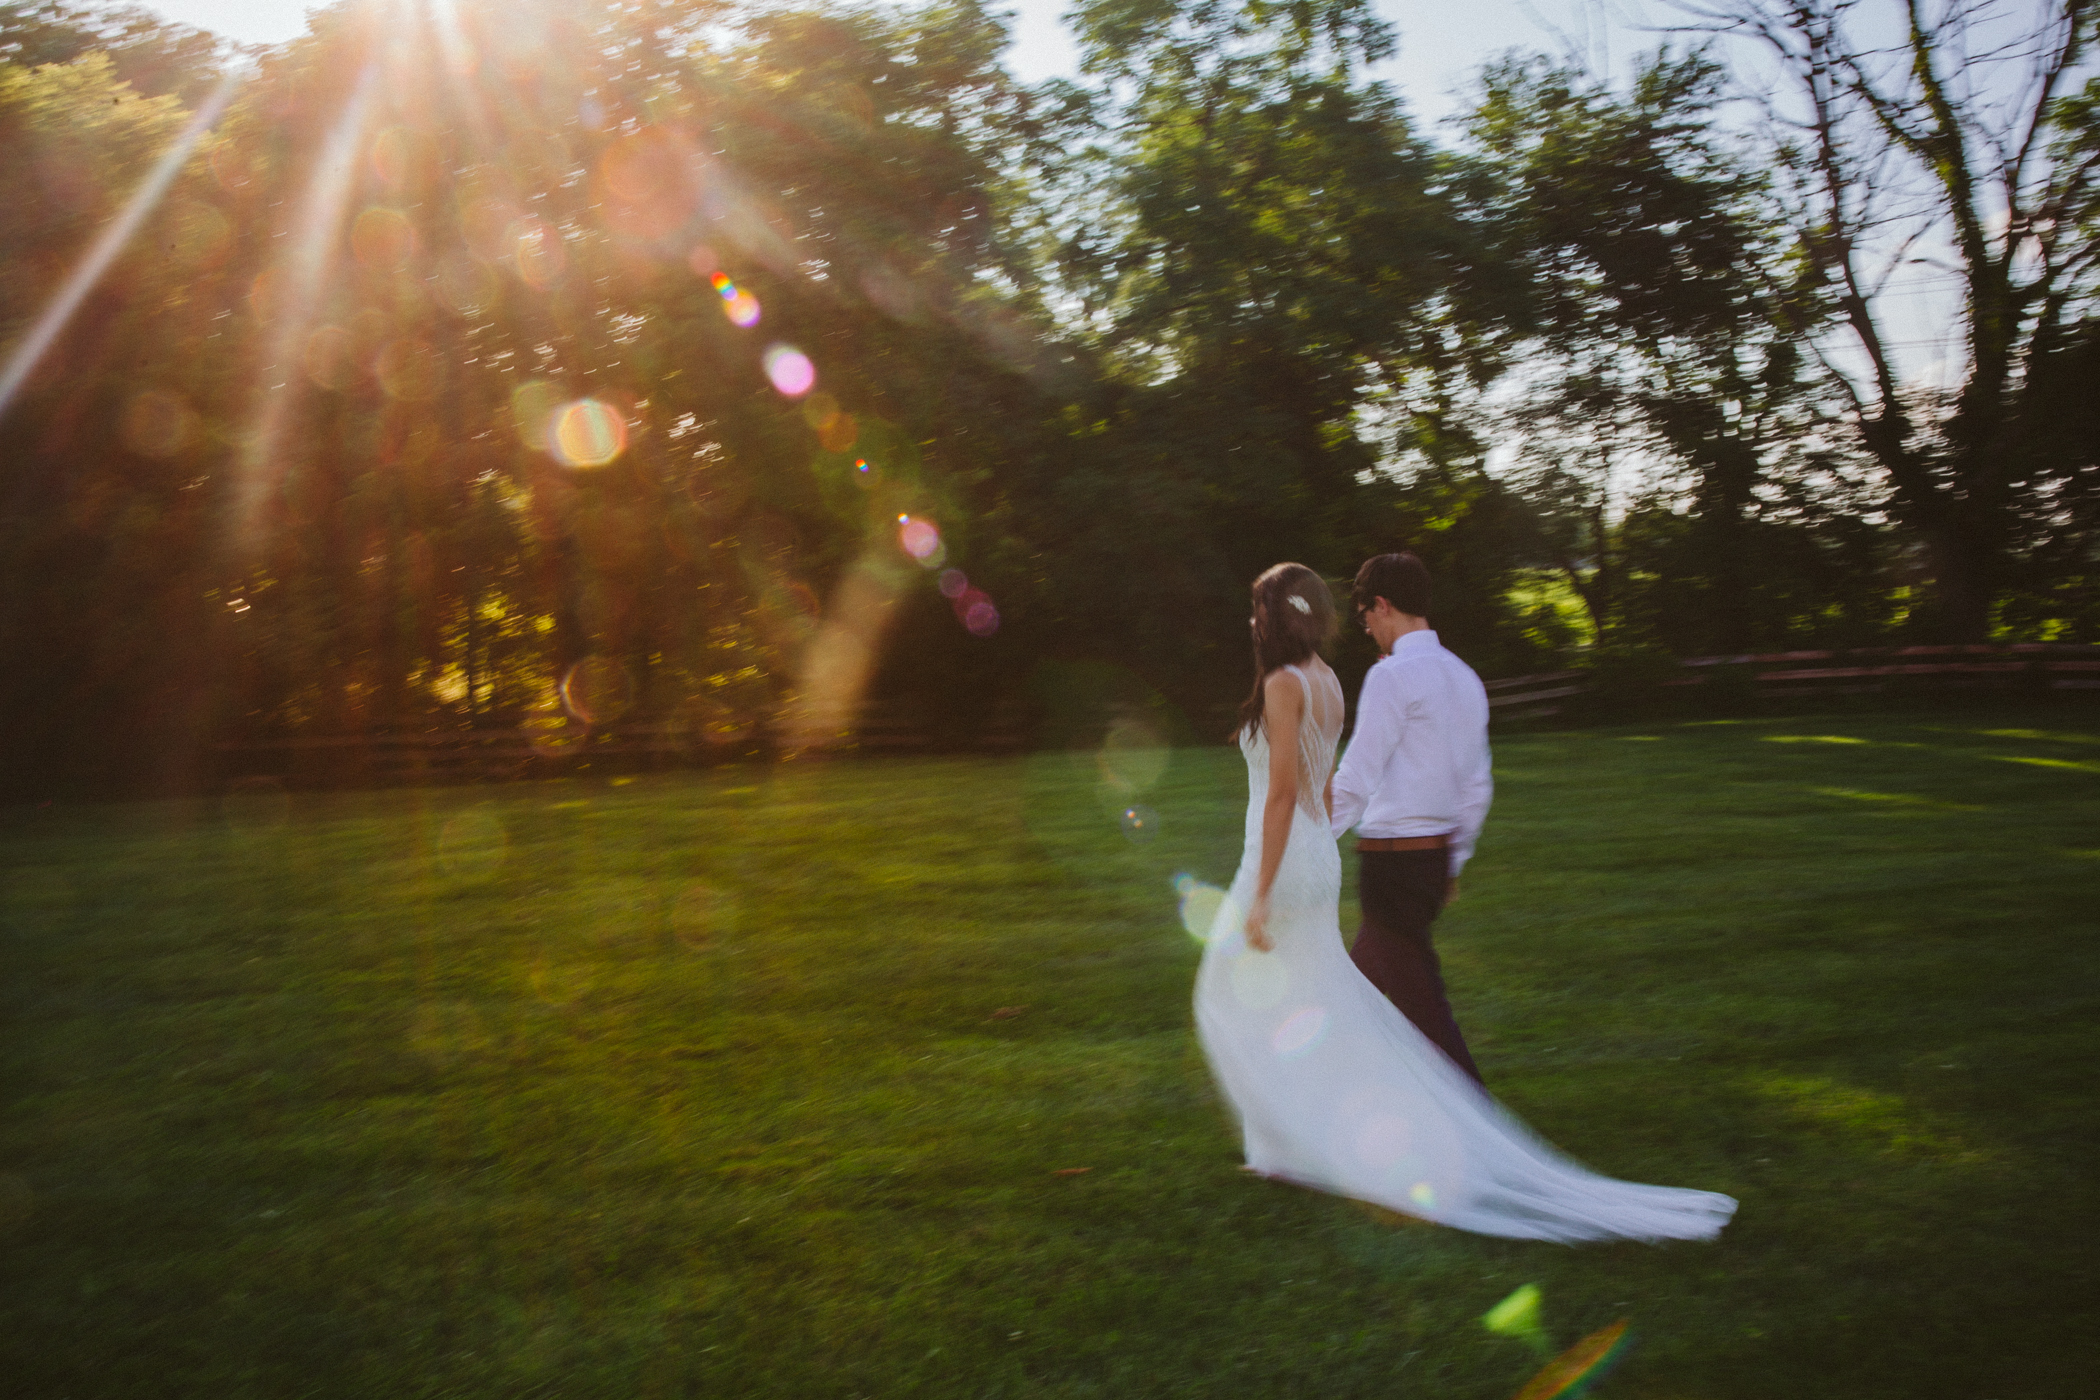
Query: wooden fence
{"x": 2033, "y": 667}
{"x": 557, "y": 748}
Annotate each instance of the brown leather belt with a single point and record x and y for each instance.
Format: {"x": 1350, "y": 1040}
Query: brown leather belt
{"x": 1403, "y": 843}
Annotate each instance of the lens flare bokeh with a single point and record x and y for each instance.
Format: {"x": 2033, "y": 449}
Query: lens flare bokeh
{"x": 536, "y": 252}
{"x": 383, "y": 239}
{"x": 920, "y": 538}
{"x": 597, "y": 690}
{"x": 980, "y": 616}
{"x": 588, "y": 433}
{"x": 789, "y": 370}
{"x": 738, "y": 305}
{"x": 158, "y": 423}
{"x": 1518, "y": 1316}
{"x": 409, "y": 369}
{"x": 1202, "y": 907}
{"x": 1581, "y": 1366}
{"x": 1300, "y": 1031}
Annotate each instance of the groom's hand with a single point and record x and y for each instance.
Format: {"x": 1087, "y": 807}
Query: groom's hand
{"x": 1450, "y": 889}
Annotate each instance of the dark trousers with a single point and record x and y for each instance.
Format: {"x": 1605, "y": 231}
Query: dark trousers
{"x": 1402, "y": 892}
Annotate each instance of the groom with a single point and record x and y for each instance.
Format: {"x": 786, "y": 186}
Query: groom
{"x": 1415, "y": 785}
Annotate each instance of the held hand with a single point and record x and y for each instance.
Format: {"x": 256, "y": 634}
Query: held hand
{"x": 1258, "y": 926}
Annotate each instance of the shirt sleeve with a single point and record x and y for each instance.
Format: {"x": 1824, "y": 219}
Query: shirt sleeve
{"x": 1381, "y": 713}
{"x": 1476, "y": 789}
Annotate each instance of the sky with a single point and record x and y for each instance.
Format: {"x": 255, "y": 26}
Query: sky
{"x": 1441, "y": 42}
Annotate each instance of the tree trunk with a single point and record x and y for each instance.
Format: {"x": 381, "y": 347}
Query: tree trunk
{"x": 1964, "y": 584}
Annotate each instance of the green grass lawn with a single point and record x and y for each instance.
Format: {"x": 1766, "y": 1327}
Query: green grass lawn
{"x": 700, "y": 1085}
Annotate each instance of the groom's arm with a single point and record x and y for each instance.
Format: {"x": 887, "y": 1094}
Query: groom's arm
{"x": 1476, "y": 788}
{"x": 1473, "y": 777}
{"x": 1379, "y": 716}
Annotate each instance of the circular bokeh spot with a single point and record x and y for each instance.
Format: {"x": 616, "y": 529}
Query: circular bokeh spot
{"x": 1201, "y": 907}
{"x": 1133, "y": 756}
{"x": 533, "y": 405}
{"x": 404, "y": 157}
{"x": 743, "y": 310}
{"x": 157, "y": 423}
{"x": 536, "y": 250}
{"x": 383, "y": 238}
{"x": 646, "y": 166}
{"x": 953, "y": 584}
{"x": 588, "y": 433}
{"x": 488, "y": 225}
{"x": 789, "y": 370}
{"x": 330, "y": 358}
{"x": 409, "y": 370}
{"x": 980, "y": 616}
{"x": 597, "y": 690}
{"x": 1300, "y": 1031}
{"x": 467, "y": 284}
{"x": 920, "y": 538}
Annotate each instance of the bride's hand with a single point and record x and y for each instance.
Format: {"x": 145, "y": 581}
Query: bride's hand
{"x": 1258, "y": 926}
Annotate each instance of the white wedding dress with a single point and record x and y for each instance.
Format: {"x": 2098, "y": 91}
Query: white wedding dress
{"x": 1336, "y": 1089}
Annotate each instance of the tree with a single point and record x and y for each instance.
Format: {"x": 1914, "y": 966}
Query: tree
{"x": 153, "y": 56}
{"x": 1269, "y": 268}
{"x": 1941, "y": 135}
{"x": 1664, "y": 368}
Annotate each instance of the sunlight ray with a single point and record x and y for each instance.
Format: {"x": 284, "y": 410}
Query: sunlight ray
{"x": 29, "y": 352}
{"x": 305, "y": 269}
{"x": 842, "y": 655}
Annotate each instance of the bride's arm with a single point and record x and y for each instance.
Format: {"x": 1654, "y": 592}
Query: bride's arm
{"x": 1283, "y": 710}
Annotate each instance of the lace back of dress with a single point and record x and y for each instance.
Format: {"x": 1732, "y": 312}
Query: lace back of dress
{"x": 1318, "y": 735}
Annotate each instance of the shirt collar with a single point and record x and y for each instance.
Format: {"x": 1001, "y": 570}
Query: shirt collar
{"x": 1413, "y": 641}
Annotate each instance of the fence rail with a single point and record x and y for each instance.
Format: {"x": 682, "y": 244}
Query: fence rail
{"x": 2034, "y": 666}
{"x": 557, "y": 749}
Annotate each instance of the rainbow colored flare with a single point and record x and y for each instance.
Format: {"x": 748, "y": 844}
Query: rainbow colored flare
{"x": 1576, "y": 1369}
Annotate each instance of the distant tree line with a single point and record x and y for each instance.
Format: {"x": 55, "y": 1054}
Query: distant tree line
{"x": 733, "y": 370}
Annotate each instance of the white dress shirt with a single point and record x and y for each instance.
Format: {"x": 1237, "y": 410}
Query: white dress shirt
{"x": 1417, "y": 764}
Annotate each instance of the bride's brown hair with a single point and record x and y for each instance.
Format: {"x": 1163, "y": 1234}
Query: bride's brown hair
{"x": 1293, "y": 619}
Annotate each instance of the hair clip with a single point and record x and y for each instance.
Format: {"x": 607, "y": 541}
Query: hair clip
{"x": 1300, "y": 604}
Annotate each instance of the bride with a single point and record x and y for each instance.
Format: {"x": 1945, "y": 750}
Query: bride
{"x": 1334, "y": 1088}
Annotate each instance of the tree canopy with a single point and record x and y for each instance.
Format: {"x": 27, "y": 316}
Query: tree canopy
{"x": 729, "y": 371}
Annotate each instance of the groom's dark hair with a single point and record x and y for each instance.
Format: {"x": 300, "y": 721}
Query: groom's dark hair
{"x": 1400, "y": 579}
